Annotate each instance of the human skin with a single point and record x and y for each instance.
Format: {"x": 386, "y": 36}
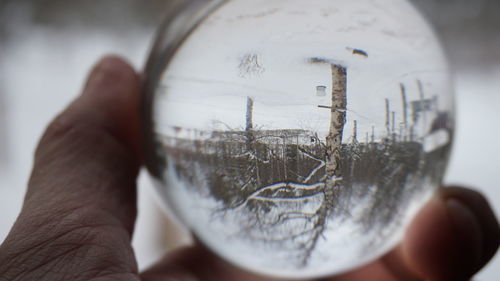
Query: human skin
{"x": 79, "y": 212}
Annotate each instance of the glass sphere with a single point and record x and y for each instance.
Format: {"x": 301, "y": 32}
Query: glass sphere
{"x": 297, "y": 138}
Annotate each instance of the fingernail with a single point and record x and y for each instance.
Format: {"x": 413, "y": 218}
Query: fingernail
{"x": 96, "y": 74}
{"x": 467, "y": 226}
{"x": 99, "y": 73}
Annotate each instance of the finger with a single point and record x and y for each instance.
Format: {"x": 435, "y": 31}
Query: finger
{"x": 453, "y": 237}
{"x": 88, "y": 156}
{"x": 197, "y": 264}
{"x": 80, "y": 204}
{"x": 484, "y": 215}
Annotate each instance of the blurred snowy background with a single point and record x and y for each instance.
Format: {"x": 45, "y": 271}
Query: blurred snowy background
{"x": 47, "y": 47}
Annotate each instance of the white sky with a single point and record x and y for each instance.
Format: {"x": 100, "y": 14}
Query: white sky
{"x": 203, "y": 83}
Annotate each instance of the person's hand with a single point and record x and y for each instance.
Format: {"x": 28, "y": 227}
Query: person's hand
{"x": 78, "y": 215}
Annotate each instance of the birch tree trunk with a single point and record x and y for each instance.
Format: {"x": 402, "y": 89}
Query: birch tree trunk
{"x": 332, "y": 163}
{"x": 338, "y": 118}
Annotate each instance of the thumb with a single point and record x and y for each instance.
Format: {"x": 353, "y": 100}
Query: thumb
{"x": 81, "y": 196}
{"x": 453, "y": 237}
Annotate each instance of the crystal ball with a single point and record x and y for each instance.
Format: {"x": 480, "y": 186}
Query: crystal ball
{"x": 297, "y": 138}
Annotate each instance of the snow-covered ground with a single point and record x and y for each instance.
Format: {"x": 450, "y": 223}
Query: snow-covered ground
{"x": 41, "y": 70}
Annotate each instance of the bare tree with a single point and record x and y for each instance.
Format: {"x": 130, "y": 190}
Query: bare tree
{"x": 290, "y": 222}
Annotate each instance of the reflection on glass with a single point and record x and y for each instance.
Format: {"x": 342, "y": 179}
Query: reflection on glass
{"x": 298, "y": 138}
